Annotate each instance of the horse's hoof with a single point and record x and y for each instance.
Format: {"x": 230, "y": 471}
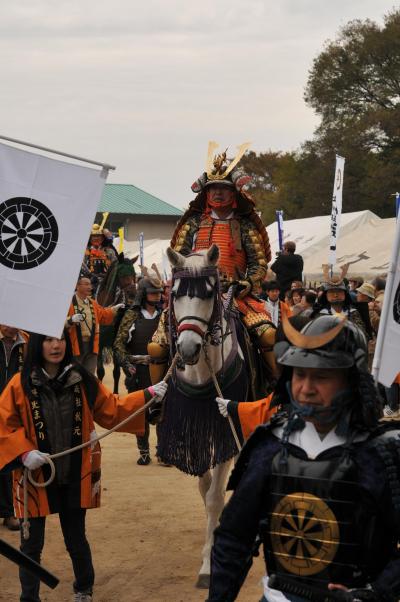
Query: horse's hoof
{"x": 203, "y": 582}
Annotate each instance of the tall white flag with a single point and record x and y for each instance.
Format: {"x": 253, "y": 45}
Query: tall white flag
{"x": 386, "y": 363}
{"x": 47, "y": 208}
{"x": 336, "y": 208}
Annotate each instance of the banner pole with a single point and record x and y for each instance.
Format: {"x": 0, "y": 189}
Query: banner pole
{"x": 376, "y": 362}
{"x": 56, "y": 152}
{"x": 397, "y": 202}
{"x": 279, "y": 219}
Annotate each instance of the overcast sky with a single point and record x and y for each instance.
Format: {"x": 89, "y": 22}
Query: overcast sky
{"x": 144, "y": 84}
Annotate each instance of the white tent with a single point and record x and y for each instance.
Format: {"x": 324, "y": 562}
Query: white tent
{"x": 365, "y": 241}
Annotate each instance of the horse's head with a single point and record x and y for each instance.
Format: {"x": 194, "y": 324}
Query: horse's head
{"x": 194, "y": 298}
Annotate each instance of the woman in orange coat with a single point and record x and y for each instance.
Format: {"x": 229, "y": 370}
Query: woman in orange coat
{"x": 50, "y": 407}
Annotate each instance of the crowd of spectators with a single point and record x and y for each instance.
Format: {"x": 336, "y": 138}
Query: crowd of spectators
{"x": 360, "y": 300}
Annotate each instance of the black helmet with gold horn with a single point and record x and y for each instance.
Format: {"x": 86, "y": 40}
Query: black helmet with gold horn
{"x": 331, "y": 342}
{"x": 325, "y": 342}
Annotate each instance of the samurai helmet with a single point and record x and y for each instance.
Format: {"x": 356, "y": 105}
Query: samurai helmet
{"x": 325, "y": 342}
{"x": 98, "y": 229}
{"x": 335, "y": 281}
{"x": 147, "y": 284}
{"x": 219, "y": 170}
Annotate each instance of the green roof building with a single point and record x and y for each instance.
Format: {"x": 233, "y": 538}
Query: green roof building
{"x": 137, "y": 211}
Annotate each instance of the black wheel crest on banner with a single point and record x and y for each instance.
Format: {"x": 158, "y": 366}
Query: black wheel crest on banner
{"x": 28, "y": 233}
{"x": 396, "y": 306}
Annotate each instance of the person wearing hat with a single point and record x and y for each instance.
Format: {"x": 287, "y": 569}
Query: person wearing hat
{"x": 319, "y": 485}
{"x": 223, "y": 213}
{"x": 100, "y": 252}
{"x": 365, "y": 293}
{"x": 335, "y": 298}
{"x": 135, "y": 332}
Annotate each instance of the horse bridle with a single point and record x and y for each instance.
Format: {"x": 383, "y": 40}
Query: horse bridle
{"x": 192, "y": 327}
{"x": 209, "y": 335}
{"x": 215, "y": 320}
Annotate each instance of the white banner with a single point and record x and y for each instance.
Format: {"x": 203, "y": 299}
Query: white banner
{"x": 47, "y": 208}
{"x": 336, "y": 208}
{"x": 141, "y": 248}
{"x": 386, "y": 363}
{"x": 166, "y": 266}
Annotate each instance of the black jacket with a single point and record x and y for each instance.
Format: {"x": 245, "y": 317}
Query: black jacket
{"x": 235, "y": 538}
{"x": 288, "y": 268}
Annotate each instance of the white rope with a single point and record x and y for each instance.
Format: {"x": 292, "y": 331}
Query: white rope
{"x": 220, "y": 394}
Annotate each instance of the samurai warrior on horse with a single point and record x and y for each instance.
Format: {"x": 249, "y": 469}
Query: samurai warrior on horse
{"x": 223, "y": 213}
{"x": 220, "y": 331}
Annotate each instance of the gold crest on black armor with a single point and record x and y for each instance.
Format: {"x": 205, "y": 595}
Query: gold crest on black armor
{"x": 304, "y": 534}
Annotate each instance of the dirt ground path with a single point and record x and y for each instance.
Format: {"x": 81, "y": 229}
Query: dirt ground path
{"x": 146, "y": 539}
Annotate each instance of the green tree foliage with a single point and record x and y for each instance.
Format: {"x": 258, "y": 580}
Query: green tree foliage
{"x": 354, "y": 86}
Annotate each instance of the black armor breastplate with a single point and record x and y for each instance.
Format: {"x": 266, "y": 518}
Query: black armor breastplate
{"x": 314, "y": 531}
{"x": 141, "y": 336}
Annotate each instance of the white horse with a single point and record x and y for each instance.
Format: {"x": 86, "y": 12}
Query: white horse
{"x": 193, "y": 435}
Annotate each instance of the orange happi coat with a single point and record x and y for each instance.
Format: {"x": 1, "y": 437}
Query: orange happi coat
{"x": 254, "y": 413}
{"x": 102, "y": 316}
{"x": 285, "y": 309}
{"x": 18, "y": 435}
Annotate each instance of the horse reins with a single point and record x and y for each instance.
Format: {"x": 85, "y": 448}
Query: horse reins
{"x": 220, "y": 394}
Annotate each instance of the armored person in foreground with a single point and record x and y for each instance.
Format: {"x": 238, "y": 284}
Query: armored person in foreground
{"x": 319, "y": 484}
{"x": 223, "y": 214}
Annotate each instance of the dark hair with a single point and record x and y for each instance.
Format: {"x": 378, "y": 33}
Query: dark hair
{"x": 271, "y": 285}
{"x": 358, "y": 279}
{"x": 34, "y": 360}
{"x": 367, "y": 408}
{"x": 379, "y": 283}
{"x": 310, "y": 297}
{"x": 290, "y": 246}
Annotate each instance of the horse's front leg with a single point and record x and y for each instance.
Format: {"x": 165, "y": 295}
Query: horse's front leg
{"x": 214, "y": 503}
{"x": 204, "y": 485}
